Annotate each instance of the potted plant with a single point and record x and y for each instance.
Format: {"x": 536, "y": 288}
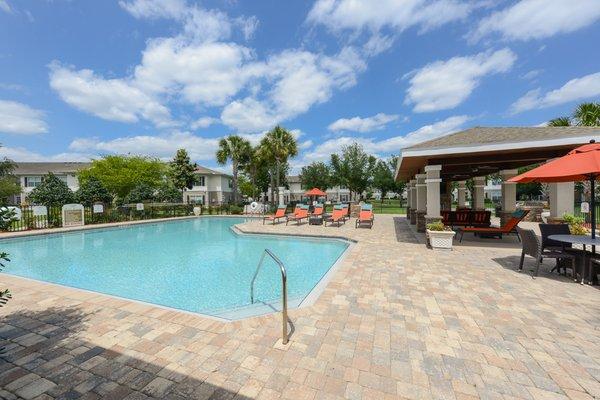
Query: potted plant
{"x": 439, "y": 236}
{"x": 576, "y": 224}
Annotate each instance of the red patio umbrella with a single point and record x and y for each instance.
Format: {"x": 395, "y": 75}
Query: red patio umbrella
{"x": 580, "y": 164}
{"x": 315, "y": 192}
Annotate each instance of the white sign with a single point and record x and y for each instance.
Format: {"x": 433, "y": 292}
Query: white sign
{"x": 98, "y": 208}
{"x": 585, "y": 207}
{"x": 39, "y": 211}
{"x": 139, "y": 206}
{"x": 72, "y": 215}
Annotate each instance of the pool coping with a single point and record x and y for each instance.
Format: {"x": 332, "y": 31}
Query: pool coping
{"x": 307, "y": 301}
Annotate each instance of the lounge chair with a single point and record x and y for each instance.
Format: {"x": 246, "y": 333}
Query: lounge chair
{"x": 300, "y": 214}
{"x": 338, "y": 215}
{"x": 532, "y": 246}
{"x": 318, "y": 211}
{"x": 280, "y": 213}
{"x": 508, "y": 227}
{"x": 365, "y": 216}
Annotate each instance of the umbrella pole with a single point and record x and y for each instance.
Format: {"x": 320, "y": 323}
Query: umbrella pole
{"x": 593, "y": 204}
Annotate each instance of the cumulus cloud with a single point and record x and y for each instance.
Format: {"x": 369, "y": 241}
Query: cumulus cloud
{"x": 576, "y": 89}
{"x": 358, "y": 124}
{"x": 21, "y": 154}
{"x": 358, "y": 15}
{"x": 19, "y": 118}
{"x": 204, "y": 122}
{"x": 443, "y": 85}
{"x": 391, "y": 145}
{"x": 111, "y": 99}
{"x": 300, "y": 79}
{"x": 538, "y": 19}
{"x": 163, "y": 146}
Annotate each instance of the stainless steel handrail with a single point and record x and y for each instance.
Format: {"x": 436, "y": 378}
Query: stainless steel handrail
{"x": 283, "y": 289}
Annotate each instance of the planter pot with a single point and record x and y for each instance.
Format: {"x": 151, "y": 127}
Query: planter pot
{"x": 197, "y": 210}
{"x": 440, "y": 239}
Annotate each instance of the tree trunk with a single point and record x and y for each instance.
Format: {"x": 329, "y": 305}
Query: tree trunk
{"x": 272, "y": 188}
{"x": 234, "y": 183}
{"x": 277, "y": 180}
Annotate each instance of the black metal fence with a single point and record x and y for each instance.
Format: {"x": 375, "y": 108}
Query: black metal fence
{"x": 129, "y": 212}
{"x": 588, "y": 216}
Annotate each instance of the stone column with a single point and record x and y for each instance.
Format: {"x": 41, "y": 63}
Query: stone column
{"x": 413, "y": 202}
{"x": 509, "y": 194}
{"x": 562, "y": 199}
{"x": 479, "y": 194}
{"x": 280, "y": 191}
{"x": 407, "y": 200}
{"x": 433, "y": 182}
{"x": 462, "y": 194}
{"x": 421, "y": 201}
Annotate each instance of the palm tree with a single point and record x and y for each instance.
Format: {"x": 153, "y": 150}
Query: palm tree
{"x": 237, "y": 150}
{"x": 252, "y": 166}
{"x": 587, "y": 114}
{"x": 277, "y": 146}
{"x": 560, "y": 121}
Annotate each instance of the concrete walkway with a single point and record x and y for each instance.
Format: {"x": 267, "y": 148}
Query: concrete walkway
{"x": 396, "y": 321}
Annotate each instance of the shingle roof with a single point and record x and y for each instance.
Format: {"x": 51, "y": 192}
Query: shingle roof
{"x": 207, "y": 171}
{"x": 484, "y": 135}
{"x": 42, "y": 168}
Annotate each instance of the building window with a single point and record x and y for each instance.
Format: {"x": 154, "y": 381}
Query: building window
{"x": 197, "y": 199}
{"x": 201, "y": 181}
{"x": 33, "y": 181}
{"x": 344, "y": 197}
{"x": 342, "y": 187}
{"x": 230, "y": 183}
{"x": 62, "y": 178}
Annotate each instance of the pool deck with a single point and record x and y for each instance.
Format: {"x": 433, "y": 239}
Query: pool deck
{"x": 396, "y": 320}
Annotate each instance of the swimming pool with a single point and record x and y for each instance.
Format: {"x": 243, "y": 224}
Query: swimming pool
{"x": 198, "y": 265}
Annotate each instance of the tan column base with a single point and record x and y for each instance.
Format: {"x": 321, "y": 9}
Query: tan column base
{"x": 413, "y": 216}
{"x": 421, "y": 221}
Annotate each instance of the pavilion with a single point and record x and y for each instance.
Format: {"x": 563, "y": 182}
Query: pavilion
{"x": 430, "y": 167}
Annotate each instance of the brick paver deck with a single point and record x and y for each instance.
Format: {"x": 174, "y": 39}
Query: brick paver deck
{"x": 396, "y": 321}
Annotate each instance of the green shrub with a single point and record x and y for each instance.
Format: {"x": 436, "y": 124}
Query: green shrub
{"x": 575, "y": 224}
{"x": 235, "y": 209}
{"x": 436, "y": 226}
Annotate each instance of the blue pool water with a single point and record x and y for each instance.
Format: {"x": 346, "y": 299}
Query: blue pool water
{"x": 197, "y": 265}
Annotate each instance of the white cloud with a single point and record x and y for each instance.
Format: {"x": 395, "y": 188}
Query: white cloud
{"x": 389, "y": 146}
{"x": 22, "y": 154}
{"x": 164, "y": 146}
{"x": 539, "y": 19}
{"x": 576, "y": 89}
{"x": 358, "y": 124}
{"x": 359, "y": 15}
{"x": 204, "y": 122}
{"x": 111, "y": 99}
{"x": 443, "y": 85}
{"x": 4, "y": 6}
{"x": 299, "y": 79}
{"x": 19, "y": 118}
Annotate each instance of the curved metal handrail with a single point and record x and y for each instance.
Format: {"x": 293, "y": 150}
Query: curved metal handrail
{"x": 283, "y": 289}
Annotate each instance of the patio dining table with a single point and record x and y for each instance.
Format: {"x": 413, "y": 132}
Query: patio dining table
{"x": 580, "y": 240}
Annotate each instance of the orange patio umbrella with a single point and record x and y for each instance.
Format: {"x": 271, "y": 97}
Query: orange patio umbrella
{"x": 315, "y": 192}
{"x": 580, "y": 164}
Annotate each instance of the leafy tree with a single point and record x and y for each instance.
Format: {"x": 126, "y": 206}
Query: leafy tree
{"x": 277, "y": 147}
{"x": 398, "y": 186}
{"x": 237, "y": 150}
{"x": 167, "y": 193}
{"x": 140, "y": 193}
{"x": 9, "y": 184}
{"x": 256, "y": 169}
{"x": 353, "y": 169}
{"x": 51, "y": 192}
{"x": 245, "y": 186}
{"x": 92, "y": 191}
{"x": 120, "y": 174}
{"x": 383, "y": 178}
{"x": 528, "y": 190}
{"x": 585, "y": 114}
{"x": 560, "y": 121}
{"x": 316, "y": 175}
{"x": 182, "y": 171}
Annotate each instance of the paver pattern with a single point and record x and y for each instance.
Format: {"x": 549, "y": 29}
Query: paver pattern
{"x": 396, "y": 321}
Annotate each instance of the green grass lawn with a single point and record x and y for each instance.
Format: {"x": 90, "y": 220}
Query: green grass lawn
{"x": 389, "y": 206}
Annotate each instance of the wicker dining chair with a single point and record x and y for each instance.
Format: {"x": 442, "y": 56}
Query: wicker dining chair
{"x": 532, "y": 246}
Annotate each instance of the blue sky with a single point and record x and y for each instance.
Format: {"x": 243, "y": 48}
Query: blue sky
{"x": 79, "y": 79}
